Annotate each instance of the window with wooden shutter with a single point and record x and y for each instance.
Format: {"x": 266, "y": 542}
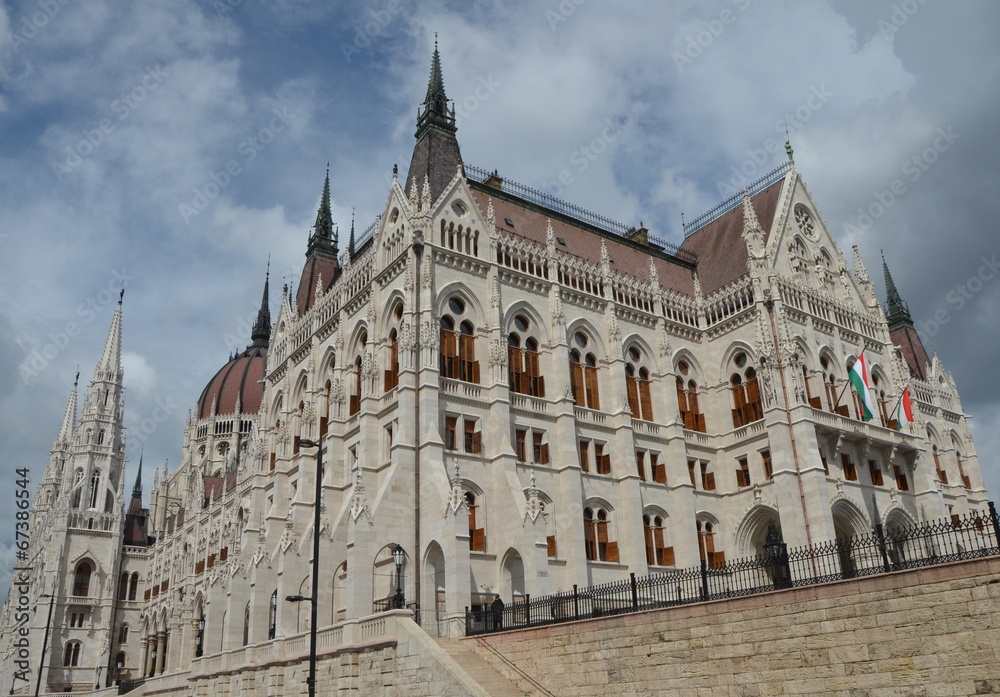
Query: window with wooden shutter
{"x": 966, "y": 482}
{"x": 640, "y": 464}
{"x": 658, "y": 540}
{"x": 477, "y": 534}
{"x": 273, "y": 458}
{"x": 602, "y": 458}
{"x": 941, "y": 474}
{"x": 449, "y": 348}
{"x": 826, "y": 465}
{"x": 645, "y": 400}
{"x": 739, "y": 402}
{"x": 224, "y": 554}
{"x": 469, "y": 367}
{"x": 471, "y": 440}
{"x": 743, "y": 473}
{"x": 515, "y": 370}
{"x": 589, "y": 535}
{"x": 667, "y": 556}
{"x": 534, "y": 382}
{"x": 576, "y": 380}
{"x": 901, "y": 482}
{"x": 295, "y": 445}
{"x": 324, "y": 425}
{"x": 612, "y": 552}
{"x": 691, "y": 466}
{"x": 648, "y": 538}
{"x": 539, "y": 450}
{"x": 632, "y": 387}
{"x": 585, "y": 455}
{"x": 659, "y": 469}
{"x": 755, "y": 410}
{"x": 707, "y": 478}
{"x": 391, "y": 377}
{"x": 519, "y": 445}
{"x": 850, "y": 472}
{"x": 765, "y": 456}
{"x": 590, "y": 380}
{"x": 550, "y": 543}
{"x": 602, "y": 536}
{"x": 875, "y": 473}
{"x": 450, "y": 432}
{"x": 682, "y": 402}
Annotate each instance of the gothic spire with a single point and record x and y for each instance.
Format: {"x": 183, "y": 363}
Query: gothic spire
{"x": 261, "y": 333}
{"x": 109, "y": 367}
{"x": 69, "y": 418}
{"x": 436, "y": 112}
{"x": 350, "y": 240}
{"x": 324, "y": 219}
{"x": 137, "y": 487}
{"x": 897, "y": 313}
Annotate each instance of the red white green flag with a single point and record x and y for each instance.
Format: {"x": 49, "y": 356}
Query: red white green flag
{"x": 859, "y": 378}
{"x": 904, "y": 412}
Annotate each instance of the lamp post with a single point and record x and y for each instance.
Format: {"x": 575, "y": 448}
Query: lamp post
{"x": 777, "y": 554}
{"x": 152, "y": 662}
{"x": 398, "y": 556}
{"x": 118, "y": 678}
{"x": 97, "y": 683}
{"x": 318, "y": 444}
{"x": 45, "y": 641}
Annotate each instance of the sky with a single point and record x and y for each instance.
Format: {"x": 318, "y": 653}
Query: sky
{"x": 176, "y": 146}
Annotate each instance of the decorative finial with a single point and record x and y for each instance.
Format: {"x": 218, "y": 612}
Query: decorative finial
{"x": 788, "y": 146}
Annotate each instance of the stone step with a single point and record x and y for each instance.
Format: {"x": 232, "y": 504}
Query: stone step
{"x": 480, "y": 671}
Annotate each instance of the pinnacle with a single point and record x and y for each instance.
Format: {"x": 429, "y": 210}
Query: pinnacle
{"x": 109, "y": 367}
{"x": 897, "y": 313}
{"x": 261, "y": 333}
{"x": 324, "y": 219}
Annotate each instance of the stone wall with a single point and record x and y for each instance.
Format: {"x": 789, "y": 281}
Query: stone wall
{"x": 932, "y": 631}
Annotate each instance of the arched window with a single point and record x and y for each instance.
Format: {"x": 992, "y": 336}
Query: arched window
{"x": 95, "y": 487}
{"x": 477, "y": 530}
{"x": 458, "y": 346}
{"x": 246, "y": 624}
{"x": 522, "y": 360}
{"x": 878, "y": 385}
{"x": 391, "y": 378}
{"x": 831, "y": 387}
{"x": 583, "y": 373}
{"x": 597, "y": 535}
{"x": 71, "y": 657}
{"x": 272, "y": 615}
{"x": 133, "y": 585}
{"x": 712, "y": 557}
{"x": 640, "y": 400}
{"x": 123, "y": 634}
{"x": 123, "y": 587}
{"x": 687, "y": 399}
{"x": 100, "y": 434}
{"x": 966, "y": 482}
{"x": 81, "y": 580}
{"x": 356, "y": 388}
{"x": 657, "y": 552}
{"x": 747, "y": 406}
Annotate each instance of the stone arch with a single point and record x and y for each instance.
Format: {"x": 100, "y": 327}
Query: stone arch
{"x": 848, "y": 519}
{"x": 751, "y": 533}
{"x": 650, "y": 356}
{"x": 388, "y": 319}
{"x": 461, "y": 290}
{"x": 338, "y": 598}
{"x": 595, "y": 339}
{"x": 384, "y": 576}
{"x": 734, "y": 348}
{"x": 512, "y": 581}
{"x": 523, "y": 307}
{"x": 434, "y": 588}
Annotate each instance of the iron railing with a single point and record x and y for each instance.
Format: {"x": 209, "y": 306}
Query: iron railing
{"x": 129, "y": 685}
{"x": 882, "y": 551}
{"x": 736, "y": 199}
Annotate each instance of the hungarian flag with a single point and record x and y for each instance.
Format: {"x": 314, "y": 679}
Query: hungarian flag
{"x": 904, "y": 412}
{"x": 859, "y": 378}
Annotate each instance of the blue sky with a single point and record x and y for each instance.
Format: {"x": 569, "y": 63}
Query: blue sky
{"x": 118, "y": 122}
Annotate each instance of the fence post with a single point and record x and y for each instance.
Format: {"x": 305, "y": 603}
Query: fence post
{"x": 880, "y": 533}
{"x": 704, "y": 580}
{"x": 576, "y": 603}
{"x": 527, "y": 609}
{"x": 996, "y": 523}
{"x": 635, "y": 592}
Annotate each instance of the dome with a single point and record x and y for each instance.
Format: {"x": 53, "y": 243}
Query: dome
{"x": 238, "y": 382}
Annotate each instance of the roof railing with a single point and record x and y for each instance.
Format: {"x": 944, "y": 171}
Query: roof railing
{"x": 736, "y": 199}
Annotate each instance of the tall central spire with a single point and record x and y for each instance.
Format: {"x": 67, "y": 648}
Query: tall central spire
{"x": 897, "y": 313}
{"x": 324, "y": 219}
{"x": 436, "y": 156}
{"x": 261, "y": 333}
{"x": 111, "y": 358}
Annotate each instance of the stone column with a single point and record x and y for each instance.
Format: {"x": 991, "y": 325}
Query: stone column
{"x": 161, "y": 642}
{"x": 144, "y": 649}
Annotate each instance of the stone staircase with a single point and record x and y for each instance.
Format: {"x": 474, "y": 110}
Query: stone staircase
{"x": 482, "y": 672}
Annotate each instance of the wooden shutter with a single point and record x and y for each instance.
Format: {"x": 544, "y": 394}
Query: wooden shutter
{"x": 514, "y": 369}
{"x": 534, "y": 384}
{"x": 477, "y": 442}
{"x": 355, "y": 404}
{"x": 448, "y": 353}
{"x": 519, "y": 437}
{"x": 667, "y": 556}
{"x": 224, "y": 554}
{"x": 469, "y": 431}
{"x": 633, "y": 396}
{"x": 550, "y": 543}
{"x": 544, "y": 460}
{"x": 273, "y": 458}
{"x": 467, "y": 356}
{"x": 739, "y": 404}
{"x": 450, "y": 427}
{"x": 875, "y": 472}
{"x": 478, "y": 540}
{"x": 295, "y": 445}
{"x": 650, "y": 549}
{"x": 754, "y": 409}
{"x": 612, "y": 552}
{"x": 659, "y": 469}
{"x": 640, "y": 466}
{"x": 717, "y": 560}
{"x": 816, "y": 402}
{"x": 593, "y": 396}
{"x": 645, "y": 401}
{"x": 576, "y": 383}
{"x": 691, "y": 472}
{"x": 658, "y": 544}
{"x": 682, "y": 400}
{"x": 901, "y": 483}
{"x": 324, "y": 425}
{"x": 709, "y": 481}
{"x": 584, "y": 456}
{"x": 765, "y": 457}
{"x": 588, "y": 539}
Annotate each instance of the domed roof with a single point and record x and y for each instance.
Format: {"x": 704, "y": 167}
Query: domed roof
{"x": 239, "y": 380}
{"x": 237, "y": 383}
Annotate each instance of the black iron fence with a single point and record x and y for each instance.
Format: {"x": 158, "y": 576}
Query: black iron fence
{"x": 129, "y": 685}
{"x": 882, "y": 551}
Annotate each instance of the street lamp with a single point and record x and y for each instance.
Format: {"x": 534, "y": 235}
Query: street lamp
{"x": 398, "y": 556}
{"x": 118, "y": 678}
{"x": 97, "y": 683}
{"x": 45, "y": 641}
{"x": 318, "y": 444}
{"x": 152, "y": 661}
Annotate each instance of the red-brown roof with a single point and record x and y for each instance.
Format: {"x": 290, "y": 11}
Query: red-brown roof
{"x": 586, "y": 244}
{"x": 722, "y": 253}
{"x": 239, "y": 378}
{"x": 316, "y": 265}
{"x": 907, "y": 339}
